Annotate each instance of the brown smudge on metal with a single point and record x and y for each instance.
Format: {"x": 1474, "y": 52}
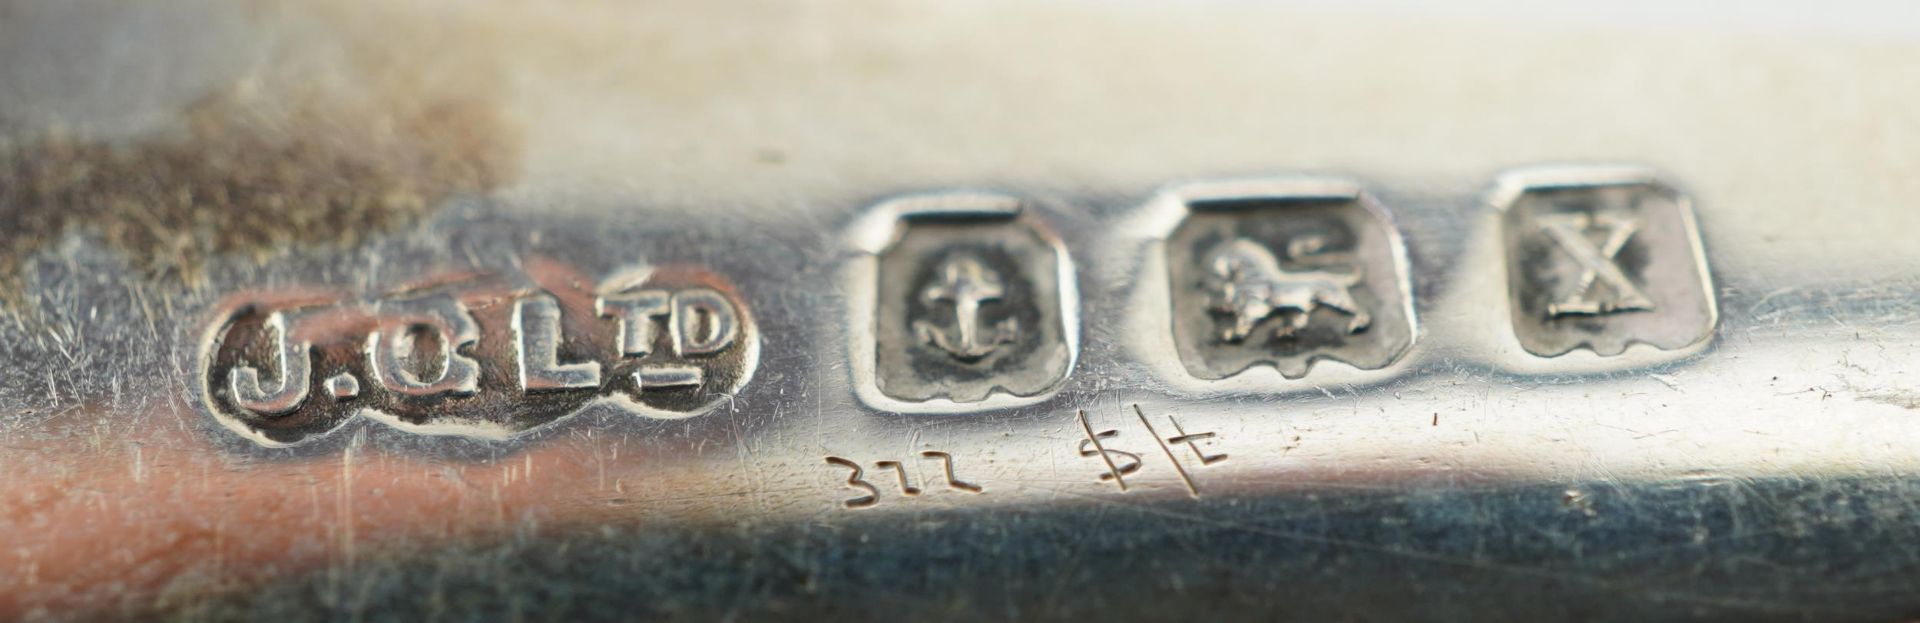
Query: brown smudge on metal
{"x": 276, "y": 160}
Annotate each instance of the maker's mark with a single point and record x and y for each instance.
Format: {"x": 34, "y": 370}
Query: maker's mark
{"x": 477, "y": 355}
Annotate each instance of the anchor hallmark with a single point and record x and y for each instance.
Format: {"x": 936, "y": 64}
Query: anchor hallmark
{"x": 970, "y": 310}
{"x": 966, "y": 284}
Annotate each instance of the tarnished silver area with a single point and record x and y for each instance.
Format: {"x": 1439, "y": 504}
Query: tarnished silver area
{"x": 1285, "y": 273}
{"x": 1603, "y": 258}
{"x": 970, "y": 301}
{"x": 438, "y": 356}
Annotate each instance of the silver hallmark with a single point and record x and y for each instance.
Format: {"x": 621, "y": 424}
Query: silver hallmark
{"x": 964, "y": 283}
{"x": 1602, "y": 258}
{"x": 1285, "y": 273}
{"x": 478, "y": 355}
{"x": 968, "y": 302}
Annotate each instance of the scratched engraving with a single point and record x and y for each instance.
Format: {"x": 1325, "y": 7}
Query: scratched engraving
{"x": 969, "y": 303}
{"x": 1286, "y": 273}
{"x": 902, "y": 473}
{"x": 946, "y": 471}
{"x": 856, "y": 480}
{"x": 1118, "y": 464}
{"x": 482, "y": 355}
{"x": 1602, "y": 258}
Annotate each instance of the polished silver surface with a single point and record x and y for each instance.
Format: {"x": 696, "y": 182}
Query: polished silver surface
{"x": 454, "y": 215}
